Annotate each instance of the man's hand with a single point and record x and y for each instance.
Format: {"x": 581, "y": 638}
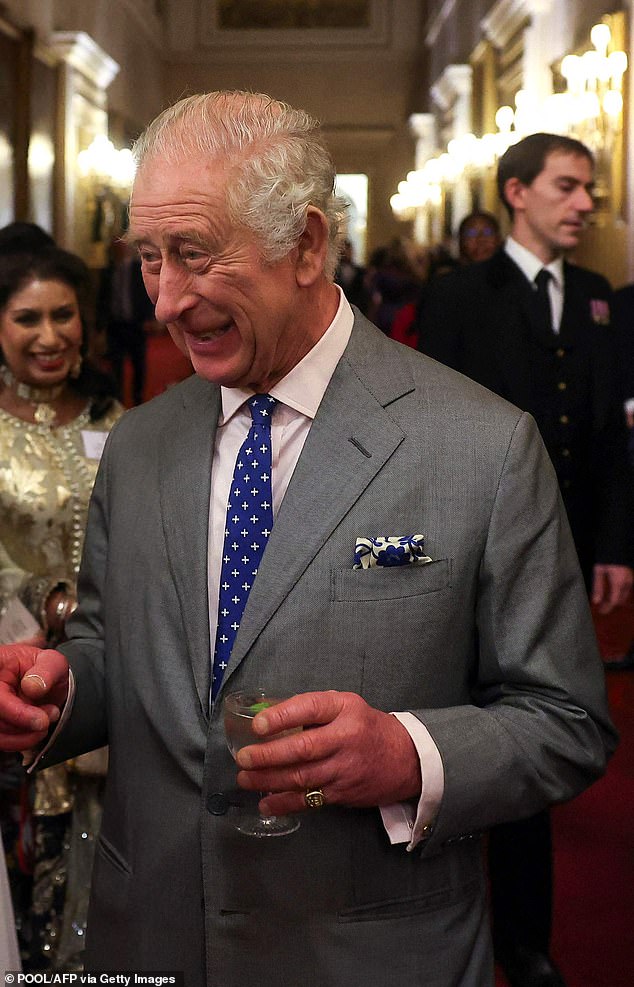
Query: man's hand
{"x": 33, "y": 689}
{"x": 611, "y": 586}
{"x": 358, "y": 756}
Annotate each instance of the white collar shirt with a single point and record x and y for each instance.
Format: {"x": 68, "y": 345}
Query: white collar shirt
{"x": 530, "y": 265}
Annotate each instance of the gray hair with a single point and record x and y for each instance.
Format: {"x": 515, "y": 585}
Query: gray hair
{"x": 279, "y": 163}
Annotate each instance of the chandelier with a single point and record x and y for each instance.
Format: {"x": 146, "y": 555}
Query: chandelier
{"x": 102, "y": 164}
{"x": 590, "y": 108}
{"x": 106, "y": 173}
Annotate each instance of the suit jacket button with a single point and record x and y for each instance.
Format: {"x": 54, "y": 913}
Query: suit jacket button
{"x": 564, "y": 419}
{"x": 562, "y": 385}
{"x": 218, "y": 804}
{"x": 561, "y": 352}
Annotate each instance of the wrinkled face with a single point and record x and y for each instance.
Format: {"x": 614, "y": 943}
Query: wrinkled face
{"x": 234, "y": 315}
{"x": 41, "y": 332}
{"x": 550, "y": 213}
{"x": 479, "y": 240}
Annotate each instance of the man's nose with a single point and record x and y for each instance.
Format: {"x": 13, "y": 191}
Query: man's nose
{"x": 174, "y": 296}
{"x": 584, "y": 200}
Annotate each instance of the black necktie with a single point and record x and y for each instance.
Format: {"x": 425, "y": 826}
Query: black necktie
{"x": 542, "y": 300}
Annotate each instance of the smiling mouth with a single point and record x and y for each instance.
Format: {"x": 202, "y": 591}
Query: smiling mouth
{"x": 211, "y": 334}
{"x": 49, "y": 357}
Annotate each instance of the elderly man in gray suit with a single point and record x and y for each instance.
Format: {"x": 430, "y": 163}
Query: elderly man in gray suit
{"x": 415, "y": 592}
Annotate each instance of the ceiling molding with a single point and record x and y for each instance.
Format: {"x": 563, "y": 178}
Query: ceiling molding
{"x": 506, "y": 18}
{"x": 438, "y": 21}
{"x": 80, "y": 51}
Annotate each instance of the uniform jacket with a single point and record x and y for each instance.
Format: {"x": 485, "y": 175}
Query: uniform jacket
{"x": 490, "y": 644}
{"x": 480, "y": 321}
{"x": 623, "y": 310}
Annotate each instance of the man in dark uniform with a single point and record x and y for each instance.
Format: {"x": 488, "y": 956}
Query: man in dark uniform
{"x": 536, "y": 329}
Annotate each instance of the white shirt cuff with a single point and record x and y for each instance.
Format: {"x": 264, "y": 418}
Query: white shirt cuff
{"x": 403, "y": 821}
{"x": 31, "y": 759}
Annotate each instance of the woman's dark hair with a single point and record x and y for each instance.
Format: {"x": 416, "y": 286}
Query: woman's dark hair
{"x": 51, "y": 263}
{"x": 24, "y": 237}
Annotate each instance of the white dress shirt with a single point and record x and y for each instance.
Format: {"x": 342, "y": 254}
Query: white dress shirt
{"x": 299, "y": 395}
{"x": 530, "y": 265}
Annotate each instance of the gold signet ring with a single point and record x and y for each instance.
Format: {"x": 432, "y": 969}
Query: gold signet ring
{"x": 314, "y": 798}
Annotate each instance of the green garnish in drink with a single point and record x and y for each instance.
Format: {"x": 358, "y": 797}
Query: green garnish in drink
{"x": 257, "y": 707}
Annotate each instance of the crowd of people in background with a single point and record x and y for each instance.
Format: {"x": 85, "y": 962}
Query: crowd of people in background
{"x": 391, "y": 288}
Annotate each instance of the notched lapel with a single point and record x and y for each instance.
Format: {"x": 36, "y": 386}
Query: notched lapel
{"x": 510, "y": 319}
{"x": 184, "y": 483}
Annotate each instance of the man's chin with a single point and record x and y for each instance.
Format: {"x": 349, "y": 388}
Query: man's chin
{"x": 217, "y": 370}
{"x": 571, "y": 239}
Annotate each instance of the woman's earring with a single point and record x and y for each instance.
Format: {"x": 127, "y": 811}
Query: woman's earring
{"x": 75, "y": 370}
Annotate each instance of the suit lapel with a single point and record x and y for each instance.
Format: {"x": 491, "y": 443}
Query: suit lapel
{"x": 350, "y": 440}
{"x": 184, "y": 482}
{"x": 511, "y": 326}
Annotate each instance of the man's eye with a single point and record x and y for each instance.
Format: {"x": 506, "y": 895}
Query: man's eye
{"x": 194, "y": 258}
{"x": 151, "y": 263}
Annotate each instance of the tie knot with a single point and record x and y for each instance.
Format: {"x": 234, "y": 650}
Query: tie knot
{"x": 261, "y": 407}
{"x": 542, "y": 279}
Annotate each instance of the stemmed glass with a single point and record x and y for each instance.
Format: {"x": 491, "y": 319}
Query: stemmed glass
{"x": 239, "y": 710}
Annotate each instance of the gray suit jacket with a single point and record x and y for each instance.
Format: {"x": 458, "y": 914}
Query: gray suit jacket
{"x": 491, "y": 645}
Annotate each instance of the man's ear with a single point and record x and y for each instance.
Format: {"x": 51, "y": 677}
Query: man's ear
{"x": 514, "y": 192}
{"x": 312, "y": 248}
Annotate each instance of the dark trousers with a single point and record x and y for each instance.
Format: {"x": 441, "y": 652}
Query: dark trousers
{"x": 521, "y": 877}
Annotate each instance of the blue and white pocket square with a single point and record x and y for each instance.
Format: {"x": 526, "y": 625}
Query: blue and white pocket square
{"x": 390, "y": 550}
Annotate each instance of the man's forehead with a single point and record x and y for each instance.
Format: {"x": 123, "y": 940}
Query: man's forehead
{"x": 177, "y": 208}
{"x": 568, "y": 163}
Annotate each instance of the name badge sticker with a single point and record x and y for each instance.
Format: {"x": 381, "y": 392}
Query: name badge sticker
{"x": 93, "y": 443}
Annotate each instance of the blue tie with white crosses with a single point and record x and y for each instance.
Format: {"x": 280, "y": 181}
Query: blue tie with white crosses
{"x": 248, "y": 526}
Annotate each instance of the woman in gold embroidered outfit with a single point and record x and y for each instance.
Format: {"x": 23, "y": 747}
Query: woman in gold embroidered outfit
{"x": 55, "y": 412}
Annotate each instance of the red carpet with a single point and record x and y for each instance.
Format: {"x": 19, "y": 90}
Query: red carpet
{"x": 593, "y": 937}
{"x": 593, "y": 934}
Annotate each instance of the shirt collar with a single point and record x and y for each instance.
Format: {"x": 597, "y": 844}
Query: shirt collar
{"x": 305, "y": 385}
{"x": 529, "y": 264}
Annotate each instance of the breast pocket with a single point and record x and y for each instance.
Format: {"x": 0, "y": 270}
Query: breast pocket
{"x": 382, "y": 583}
{"x": 395, "y": 623}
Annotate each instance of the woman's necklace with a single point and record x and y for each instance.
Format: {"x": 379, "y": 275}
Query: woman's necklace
{"x": 40, "y": 397}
